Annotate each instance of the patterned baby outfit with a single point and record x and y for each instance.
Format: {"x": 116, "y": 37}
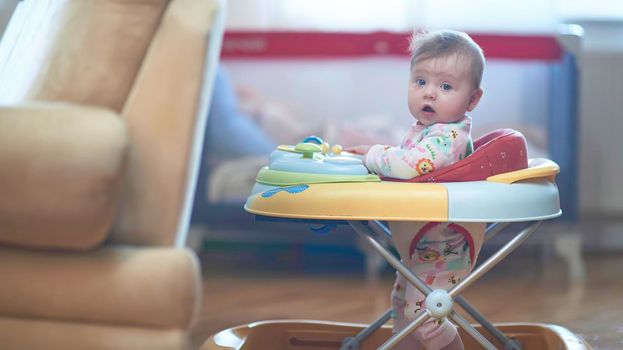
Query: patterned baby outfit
{"x": 424, "y": 149}
{"x": 440, "y": 254}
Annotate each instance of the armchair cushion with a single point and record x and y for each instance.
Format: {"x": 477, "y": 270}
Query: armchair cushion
{"x": 133, "y": 286}
{"x": 60, "y": 169}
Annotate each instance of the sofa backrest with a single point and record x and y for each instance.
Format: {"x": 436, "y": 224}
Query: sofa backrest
{"x": 82, "y": 51}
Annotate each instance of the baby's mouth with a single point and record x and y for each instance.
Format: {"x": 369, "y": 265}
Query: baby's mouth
{"x": 428, "y": 109}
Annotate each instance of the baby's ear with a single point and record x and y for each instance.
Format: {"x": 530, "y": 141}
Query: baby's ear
{"x": 473, "y": 101}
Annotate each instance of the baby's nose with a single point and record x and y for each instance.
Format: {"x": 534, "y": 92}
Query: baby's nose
{"x": 430, "y": 94}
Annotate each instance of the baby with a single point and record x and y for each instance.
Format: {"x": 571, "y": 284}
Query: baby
{"x": 444, "y": 84}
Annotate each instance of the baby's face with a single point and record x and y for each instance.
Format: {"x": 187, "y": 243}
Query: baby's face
{"x": 441, "y": 90}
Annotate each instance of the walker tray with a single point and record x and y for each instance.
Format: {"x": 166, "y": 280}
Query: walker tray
{"x": 307, "y": 181}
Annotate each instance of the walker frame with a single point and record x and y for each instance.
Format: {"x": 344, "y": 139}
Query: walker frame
{"x": 531, "y": 192}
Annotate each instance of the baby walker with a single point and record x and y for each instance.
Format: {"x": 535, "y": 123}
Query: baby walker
{"x": 314, "y": 183}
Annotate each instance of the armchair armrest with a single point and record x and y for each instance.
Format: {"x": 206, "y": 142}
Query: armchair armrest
{"x": 60, "y": 167}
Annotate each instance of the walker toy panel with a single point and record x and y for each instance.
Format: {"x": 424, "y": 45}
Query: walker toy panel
{"x": 309, "y": 162}
{"x": 317, "y": 163}
{"x": 295, "y": 335}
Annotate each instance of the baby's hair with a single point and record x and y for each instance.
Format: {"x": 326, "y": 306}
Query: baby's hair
{"x": 443, "y": 43}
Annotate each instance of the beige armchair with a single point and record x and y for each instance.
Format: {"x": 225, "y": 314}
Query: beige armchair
{"x": 102, "y": 110}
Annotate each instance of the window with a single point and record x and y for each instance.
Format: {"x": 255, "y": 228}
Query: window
{"x": 529, "y": 16}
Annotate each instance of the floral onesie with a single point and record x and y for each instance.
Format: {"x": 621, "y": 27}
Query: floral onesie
{"x": 440, "y": 254}
{"x": 424, "y": 149}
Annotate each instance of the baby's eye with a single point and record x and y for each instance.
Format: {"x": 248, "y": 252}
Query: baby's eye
{"x": 420, "y": 82}
{"x": 446, "y": 87}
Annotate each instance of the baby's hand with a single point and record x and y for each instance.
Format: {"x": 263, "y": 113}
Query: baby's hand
{"x": 362, "y": 149}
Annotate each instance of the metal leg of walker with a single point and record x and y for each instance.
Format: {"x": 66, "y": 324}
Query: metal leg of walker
{"x": 491, "y": 231}
{"x": 494, "y": 229}
{"x": 380, "y": 227}
{"x": 494, "y": 259}
{"x": 509, "y": 344}
{"x": 352, "y": 343}
{"x": 367, "y": 233}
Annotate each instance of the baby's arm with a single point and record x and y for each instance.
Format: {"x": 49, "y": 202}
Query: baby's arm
{"x": 433, "y": 152}
{"x": 361, "y": 149}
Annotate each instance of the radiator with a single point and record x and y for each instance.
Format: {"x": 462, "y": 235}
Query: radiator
{"x": 601, "y": 133}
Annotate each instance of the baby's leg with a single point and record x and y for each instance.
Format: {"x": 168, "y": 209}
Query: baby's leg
{"x": 398, "y": 314}
{"x": 441, "y": 255}
{"x": 444, "y": 333}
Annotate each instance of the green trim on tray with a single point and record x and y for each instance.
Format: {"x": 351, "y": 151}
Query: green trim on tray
{"x": 284, "y": 178}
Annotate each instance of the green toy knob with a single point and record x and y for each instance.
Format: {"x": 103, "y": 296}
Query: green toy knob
{"x": 308, "y": 149}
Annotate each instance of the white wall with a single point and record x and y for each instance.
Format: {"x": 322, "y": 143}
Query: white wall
{"x": 517, "y": 16}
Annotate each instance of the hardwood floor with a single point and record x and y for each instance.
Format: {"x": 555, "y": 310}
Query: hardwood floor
{"x": 518, "y": 289}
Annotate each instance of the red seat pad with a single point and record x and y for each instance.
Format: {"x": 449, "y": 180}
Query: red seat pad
{"x": 499, "y": 151}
